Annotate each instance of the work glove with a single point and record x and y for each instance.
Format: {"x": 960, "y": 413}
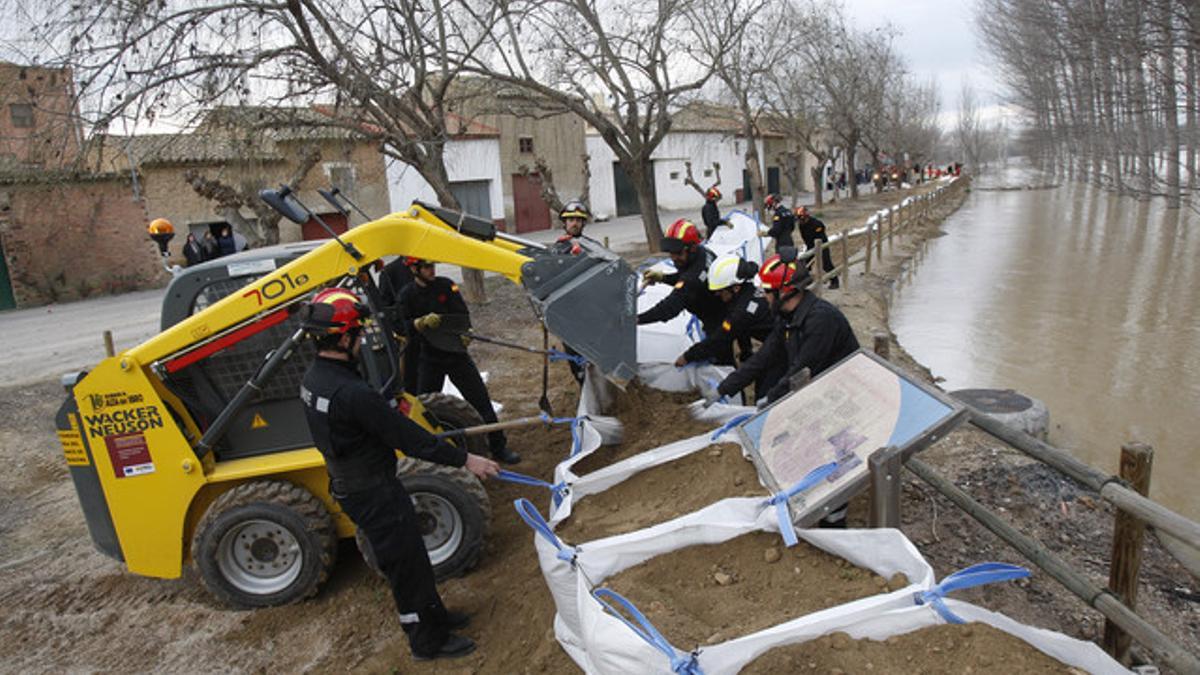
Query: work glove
{"x": 466, "y": 339}
{"x": 652, "y": 276}
{"x": 428, "y": 322}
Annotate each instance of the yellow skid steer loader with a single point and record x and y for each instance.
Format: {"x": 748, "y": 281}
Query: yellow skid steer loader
{"x": 193, "y": 443}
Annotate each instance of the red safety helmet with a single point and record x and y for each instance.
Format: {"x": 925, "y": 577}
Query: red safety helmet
{"x": 771, "y": 201}
{"x": 679, "y": 235}
{"x": 781, "y": 272}
{"x": 414, "y": 262}
{"x": 713, "y": 194}
{"x": 334, "y": 311}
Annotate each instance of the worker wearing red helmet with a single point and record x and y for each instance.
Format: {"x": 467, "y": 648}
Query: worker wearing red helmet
{"x": 358, "y": 432}
{"x": 809, "y": 332}
{"x": 709, "y": 213}
{"x": 682, "y": 242}
{"x": 783, "y": 221}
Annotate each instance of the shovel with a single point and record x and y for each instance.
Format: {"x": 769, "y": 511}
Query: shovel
{"x": 544, "y": 401}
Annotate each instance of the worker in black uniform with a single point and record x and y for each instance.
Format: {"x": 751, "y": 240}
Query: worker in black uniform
{"x": 393, "y": 279}
{"x": 709, "y": 213}
{"x": 747, "y": 316}
{"x": 682, "y": 242}
{"x": 429, "y": 301}
{"x": 813, "y": 230}
{"x": 574, "y": 216}
{"x": 358, "y": 433}
{"x": 809, "y": 333}
{"x": 782, "y": 222}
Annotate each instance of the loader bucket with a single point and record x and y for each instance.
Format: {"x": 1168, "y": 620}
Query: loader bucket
{"x": 590, "y": 301}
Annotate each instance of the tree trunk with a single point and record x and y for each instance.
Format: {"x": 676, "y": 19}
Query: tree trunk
{"x": 1192, "y": 134}
{"x": 641, "y": 173}
{"x": 849, "y": 170}
{"x": 756, "y": 174}
{"x": 434, "y": 173}
{"x": 818, "y": 178}
{"x": 1169, "y": 111}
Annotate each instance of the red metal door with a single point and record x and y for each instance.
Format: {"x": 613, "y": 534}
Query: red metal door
{"x": 529, "y": 211}
{"x": 312, "y": 230}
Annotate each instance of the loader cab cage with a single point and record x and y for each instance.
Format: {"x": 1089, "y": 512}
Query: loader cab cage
{"x": 273, "y": 421}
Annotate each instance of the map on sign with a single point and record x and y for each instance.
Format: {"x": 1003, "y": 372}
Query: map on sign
{"x": 853, "y": 409}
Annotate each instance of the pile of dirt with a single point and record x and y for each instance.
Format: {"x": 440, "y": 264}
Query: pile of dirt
{"x": 711, "y": 593}
{"x": 658, "y": 494}
{"x": 949, "y": 649}
{"x": 649, "y": 418}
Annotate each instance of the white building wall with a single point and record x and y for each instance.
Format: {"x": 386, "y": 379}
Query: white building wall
{"x": 600, "y": 185}
{"x": 471, "y": 159}
{"x": 702, "y": 149}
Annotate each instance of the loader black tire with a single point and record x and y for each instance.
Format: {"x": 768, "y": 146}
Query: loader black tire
{"x": 265, "y": 543}
{"x": 453, "y": 508}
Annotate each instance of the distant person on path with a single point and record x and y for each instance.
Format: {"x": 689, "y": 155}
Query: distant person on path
{"x": 813, "y": 230}
{"x": 225, "y": 243}
{"x": 358, "y": 432}
{"x": 192, "y": 250}
{"x": 209, "y": 246}
{"x": 782, "y": 221}
{"x": 710, "y": 213}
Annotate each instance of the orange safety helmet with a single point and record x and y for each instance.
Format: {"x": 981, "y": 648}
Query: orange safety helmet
{"x": 680, "y": 235}
{"x": 161, "y": 226}
{"x": 334, "y": 311}
{"x": 781, "y": 272}
{"x": 801, "y": 212}
{"x": 713, "y": 193}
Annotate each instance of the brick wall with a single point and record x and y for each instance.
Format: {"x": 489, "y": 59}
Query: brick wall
{"x": 68, "y": 240}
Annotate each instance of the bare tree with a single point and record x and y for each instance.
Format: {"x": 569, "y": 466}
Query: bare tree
{"x": 689, "y": 180}
{"x": 542, "y": 176}
{"x": 969, "y": 129}
{"x": 624, "y": 67}
{"x": 384, "y": 69}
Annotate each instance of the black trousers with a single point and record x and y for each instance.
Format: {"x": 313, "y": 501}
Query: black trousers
{"x": 826, "y": 258}
{"x": 412, "y": 365}
{"x": 386, "y": 517}
{"x": 461, "y": 370}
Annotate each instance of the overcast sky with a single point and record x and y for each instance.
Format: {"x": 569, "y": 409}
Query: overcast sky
{"x": 937, "y": 37}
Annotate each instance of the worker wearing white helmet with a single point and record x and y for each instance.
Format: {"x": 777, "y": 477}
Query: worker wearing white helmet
{"x": 747, "y": 314}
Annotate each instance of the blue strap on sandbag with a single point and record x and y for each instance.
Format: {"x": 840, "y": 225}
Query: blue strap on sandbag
{"x": 738, "y": 419}
{"x": 682, "y": 663}
{"x": 556, "y": 355}
{"x": 694, "y": 329}
{"x": 533, "y": 518}
{"x": 576, "y": 435}
{"x": 557, "y": 490}
{"x": 975, "y": 575}
{"x": 780, "y": 500}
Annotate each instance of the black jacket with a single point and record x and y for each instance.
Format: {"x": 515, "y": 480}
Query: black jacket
{"x": 440, "y": 296}
{"x": 811, "y": 230}
{"x": 395, "y": 277}
{"x": 746, "y": 316}
{"x": 690, "y": 293}
{"x": 783, "y": 221}
{"x": 568, "y": 245}
{"x": 815, "y": 336}
{"x": 358, "y": 432}
{"x": 711, "y": 216}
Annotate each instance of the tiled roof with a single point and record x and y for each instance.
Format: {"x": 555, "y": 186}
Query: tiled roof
{"x": 194, "y": 148}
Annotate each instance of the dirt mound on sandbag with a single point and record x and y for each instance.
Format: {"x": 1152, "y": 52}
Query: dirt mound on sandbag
{"x": 711, "y": 593}
{"x": 949, "y": 649}
{"x": 649, "y": 418}
{"x": 659, "y": 494}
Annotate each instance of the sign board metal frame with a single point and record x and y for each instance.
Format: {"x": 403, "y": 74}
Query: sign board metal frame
{"x": 853, "y": 476}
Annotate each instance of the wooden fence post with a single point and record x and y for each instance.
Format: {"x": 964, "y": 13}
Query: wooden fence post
{"x": 109, "y": 348}
{"x": 818, "y": 269}
{"x": 844, "y": 275}
{"x": 886, "y": 466}
{"x": 880, "y": 345}
{"x": 867, "y": 263}
{"x": 891, "y": 227}
{"x": 1129, "y": 532}
{"x": 879, "y": 240}
{"x": 606, "y": 241}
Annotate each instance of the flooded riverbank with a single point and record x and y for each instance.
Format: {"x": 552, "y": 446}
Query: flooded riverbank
{"x": 1085, "y": 300}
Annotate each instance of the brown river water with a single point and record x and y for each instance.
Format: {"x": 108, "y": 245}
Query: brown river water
{"x": 1086, "y": 301}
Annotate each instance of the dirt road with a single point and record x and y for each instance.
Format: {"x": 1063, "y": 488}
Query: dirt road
{"x": 65, "y": 607}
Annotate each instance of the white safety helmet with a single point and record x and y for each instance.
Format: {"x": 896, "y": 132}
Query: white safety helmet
{"x": 723, "y": 272}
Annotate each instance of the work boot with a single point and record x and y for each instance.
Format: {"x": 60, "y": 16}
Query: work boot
{"x": 503, "y": 454}
{"x": 834, "y": 284}
{"x": 454, "y": 647}
{"x": 456, "y": 620}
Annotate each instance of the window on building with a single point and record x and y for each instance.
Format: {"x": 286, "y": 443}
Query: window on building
{"x": 674, "y": 175}
{"x": 525, "y": 144}
{"x": 341, "y": 176}
{"x": 708, "y": 173}
{"x": 21, "y": 114}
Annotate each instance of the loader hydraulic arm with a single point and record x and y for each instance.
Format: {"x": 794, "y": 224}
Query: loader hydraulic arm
{"x": 588, "y": 300}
